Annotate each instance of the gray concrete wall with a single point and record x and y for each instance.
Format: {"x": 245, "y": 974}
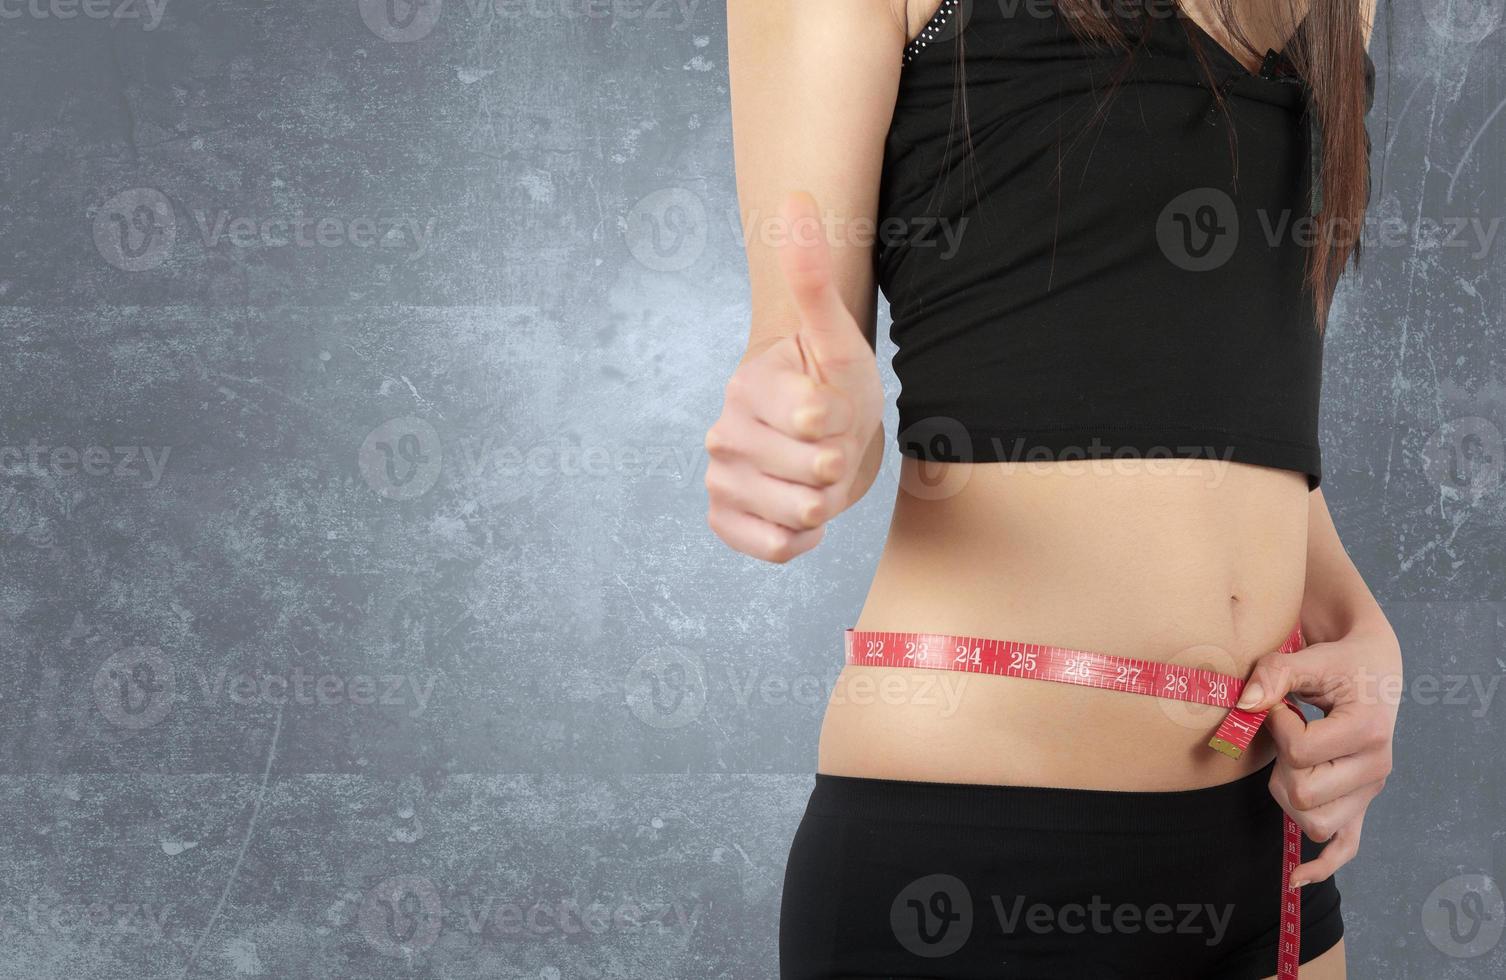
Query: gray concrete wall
{"x": 355, "y": 594}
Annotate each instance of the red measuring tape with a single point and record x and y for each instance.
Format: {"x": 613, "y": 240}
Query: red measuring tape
{"x": 1035, "y": 661}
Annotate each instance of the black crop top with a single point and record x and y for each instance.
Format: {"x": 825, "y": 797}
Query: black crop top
{"x": 1064, "y": 287}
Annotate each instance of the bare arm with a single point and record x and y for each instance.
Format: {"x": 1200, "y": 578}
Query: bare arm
{"x": 800, "y": 436}
{"x": 813, "y": 92}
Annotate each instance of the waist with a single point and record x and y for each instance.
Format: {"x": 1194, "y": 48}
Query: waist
{"x": 1142, "y": 558}
{"x": 1205, "y": 570}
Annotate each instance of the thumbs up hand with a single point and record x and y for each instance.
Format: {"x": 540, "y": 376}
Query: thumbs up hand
{"x": 798, "y": 417}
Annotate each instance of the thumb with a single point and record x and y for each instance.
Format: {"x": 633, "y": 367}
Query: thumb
{"x": 828, "y": 335}
{"x": 1278, "y": 674}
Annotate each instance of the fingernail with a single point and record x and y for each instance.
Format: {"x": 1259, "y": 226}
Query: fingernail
{"x": 1252, "y": 695}
{"x": 826, "y": 465}
{"x": 1299, "y": 884}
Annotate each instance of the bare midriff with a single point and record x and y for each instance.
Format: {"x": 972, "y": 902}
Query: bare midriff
{"x": 1182, "y": 561}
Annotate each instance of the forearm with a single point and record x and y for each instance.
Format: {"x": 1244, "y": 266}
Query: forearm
{"x": 1336, "y": 601}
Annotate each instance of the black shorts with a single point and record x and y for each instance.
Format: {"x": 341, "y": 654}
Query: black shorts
{"x": 890, "y": 879}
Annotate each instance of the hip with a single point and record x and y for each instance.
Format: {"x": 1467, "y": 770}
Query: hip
{"x": 894, "y": 878}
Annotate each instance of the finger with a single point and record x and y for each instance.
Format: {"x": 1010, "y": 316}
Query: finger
{"x": 1343, "y": 734}
{"x": 799, "y": 406}
{"x": 1322, "y": 822}
{"x": 774, "y": 389}
{"x": 798, "y": 507}
{"x": 771, "y": 452}
{"x": 759, "y": 538}
{"x": 828, "y": 332}
{"x": 1311, "y": 787}
{"x": 1276, "y": 675}
{"x": 1341, "y": 849}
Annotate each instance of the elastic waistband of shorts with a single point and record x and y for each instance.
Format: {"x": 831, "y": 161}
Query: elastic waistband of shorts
{"x": 1227, "y": 805}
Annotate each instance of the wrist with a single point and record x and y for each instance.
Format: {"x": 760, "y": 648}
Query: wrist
{"x": 1370, "y": 629}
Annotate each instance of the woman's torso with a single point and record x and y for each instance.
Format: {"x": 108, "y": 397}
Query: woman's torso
{"x": 1203, "y": 567}
{"x": 1193, "y": 561}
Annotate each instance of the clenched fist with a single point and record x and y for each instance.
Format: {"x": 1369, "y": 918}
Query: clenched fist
{"x": 798, "y": 417}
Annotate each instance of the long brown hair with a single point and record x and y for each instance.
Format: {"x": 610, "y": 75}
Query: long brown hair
{"x": 1328, "y": 52}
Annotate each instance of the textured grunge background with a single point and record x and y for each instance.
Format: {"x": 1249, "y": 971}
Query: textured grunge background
{"x": 358, "y": 613}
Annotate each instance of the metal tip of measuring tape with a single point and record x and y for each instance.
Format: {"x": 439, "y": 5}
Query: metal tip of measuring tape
{"x": 1226, "y": 747}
